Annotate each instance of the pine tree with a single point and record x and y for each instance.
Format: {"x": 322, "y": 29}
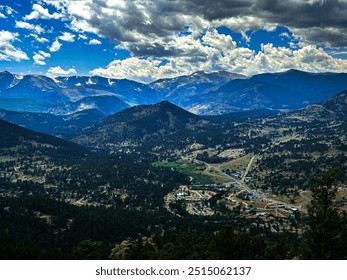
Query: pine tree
{"x": 326, "y": 236}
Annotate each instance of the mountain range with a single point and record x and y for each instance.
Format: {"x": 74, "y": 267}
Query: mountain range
{"x": 200, "y": 93}
{"x": 164, "y": 125}
{"x": 67, "y": 107}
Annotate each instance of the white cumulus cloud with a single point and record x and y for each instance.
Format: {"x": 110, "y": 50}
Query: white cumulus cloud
{"x": 142, "y": 70}
{"x": 40, "y": 57}
{"x": 42, "y": 40}
{"x": 8, "y": 51}
{"x": 25, "y": 25}
{"x": 58, "y": 71}
{"x": 94, "y": 42}
{"x": 82, "y": 37}
{"x": 55, "y": 46}
{"x": 237, "y": 60}
{"x": 5, "y": 10}
{"x": 39, "y": 12}
{"x": 39, "y": 39}
{"x": 67, "y": 37}
{"x": 9, "y": 10}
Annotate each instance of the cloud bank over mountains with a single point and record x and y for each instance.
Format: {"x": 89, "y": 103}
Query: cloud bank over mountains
{"x": 152, "y": 39}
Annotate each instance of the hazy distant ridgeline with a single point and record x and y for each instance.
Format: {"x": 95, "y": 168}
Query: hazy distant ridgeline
{"x": 200, "y": 93}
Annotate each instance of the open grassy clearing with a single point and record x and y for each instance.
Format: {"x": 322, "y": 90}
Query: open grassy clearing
{"x": 190, "y": 170}
{"x": 217, "y": 179}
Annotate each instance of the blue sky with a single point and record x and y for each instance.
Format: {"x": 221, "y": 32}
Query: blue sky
{"x": 152, "y": 39}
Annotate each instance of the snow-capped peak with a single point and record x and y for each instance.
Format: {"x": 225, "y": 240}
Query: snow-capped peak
{"x": 90, "y": 82}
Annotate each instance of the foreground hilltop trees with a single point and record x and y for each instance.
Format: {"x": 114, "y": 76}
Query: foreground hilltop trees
{"x": 326, "y": 235}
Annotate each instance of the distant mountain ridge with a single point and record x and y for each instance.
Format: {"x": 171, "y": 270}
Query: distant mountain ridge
{"x": 334, "y": 108}
{"x": 66, "y": 126}
{"x": 105, "y": 104}
{"x": 200, "y": 93}
{"x": 164, "y": 126}
{"x": 41, "y": 94}
{"x": 192, "y": 91}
